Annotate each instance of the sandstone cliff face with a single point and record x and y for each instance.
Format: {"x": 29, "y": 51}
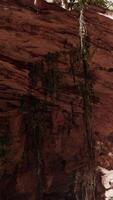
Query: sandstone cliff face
{"x": 41, "y": 111}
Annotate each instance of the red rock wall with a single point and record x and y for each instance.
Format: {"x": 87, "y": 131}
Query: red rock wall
{"x": 41, "y": 108}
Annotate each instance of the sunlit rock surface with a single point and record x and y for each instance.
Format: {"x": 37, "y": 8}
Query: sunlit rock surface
{"x": 107, "y": 182}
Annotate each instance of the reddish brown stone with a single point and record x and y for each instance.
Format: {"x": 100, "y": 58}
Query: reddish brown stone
{"x": 30, "y": 45}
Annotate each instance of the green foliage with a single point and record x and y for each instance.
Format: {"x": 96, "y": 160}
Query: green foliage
{"x": 79, "y": 3}
{"x": 102, "y": 3}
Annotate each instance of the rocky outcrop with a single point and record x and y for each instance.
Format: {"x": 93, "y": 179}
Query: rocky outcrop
{"x": 41, "y": 108}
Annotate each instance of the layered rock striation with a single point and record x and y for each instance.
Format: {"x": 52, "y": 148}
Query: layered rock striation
{"x": 41, "y": 102}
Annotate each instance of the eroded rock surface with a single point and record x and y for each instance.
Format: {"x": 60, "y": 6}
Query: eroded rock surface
{"x": 41, "y": 111}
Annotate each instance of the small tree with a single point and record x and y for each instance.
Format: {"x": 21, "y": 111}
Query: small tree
{"x": 72, "y": 4}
